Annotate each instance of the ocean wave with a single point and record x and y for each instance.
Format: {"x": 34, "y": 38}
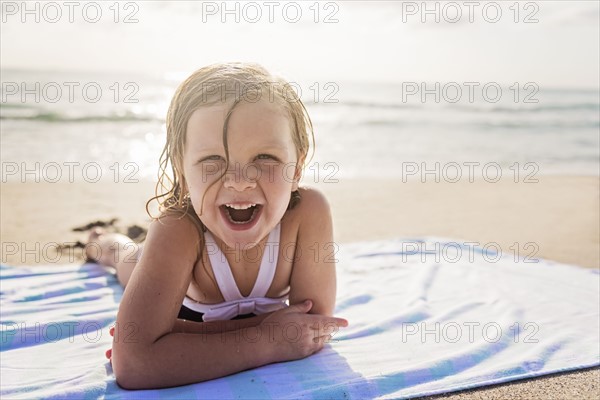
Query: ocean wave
{"x": 536, "y": 126}
{"x": 528, "y": 108}
{"x": 481, "y": 126}
{"x": 366, "y": 104}
{"x": 518, "y": 108}
{"x": 58, "y": 117}
{"x": 15, "y": 106}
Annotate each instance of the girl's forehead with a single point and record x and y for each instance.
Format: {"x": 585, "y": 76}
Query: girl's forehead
{"x": 208, "y": 117}
{"x": 260, "y": 120}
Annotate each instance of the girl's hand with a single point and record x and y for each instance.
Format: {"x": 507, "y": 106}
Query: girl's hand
{"x": 294, "y": 334}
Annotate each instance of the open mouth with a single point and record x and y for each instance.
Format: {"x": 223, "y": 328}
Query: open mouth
{"x": 240, "y": 214}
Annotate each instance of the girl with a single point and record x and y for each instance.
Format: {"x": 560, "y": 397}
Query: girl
{"x": 235, "y": 239}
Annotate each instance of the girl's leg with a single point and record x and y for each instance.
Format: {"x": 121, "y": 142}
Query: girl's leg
{"x": 113, "y": 250}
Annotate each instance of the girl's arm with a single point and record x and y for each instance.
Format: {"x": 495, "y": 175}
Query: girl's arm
{"x": 313, "y": 274}
{"x": 146, "y": 351}
{"x": 187, "y": 326}
{"x": 148, "y": 354}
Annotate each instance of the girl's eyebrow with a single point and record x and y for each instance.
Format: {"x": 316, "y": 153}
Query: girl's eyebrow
{"x": 273, "y": 142}
{"x": 210, "y": 149}
{"x": 277, "y": 146}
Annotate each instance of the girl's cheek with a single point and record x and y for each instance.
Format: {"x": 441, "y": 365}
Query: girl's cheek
{"x": 263, "y": 172}
{"x": 276, "y": 173}
{"x": 209, "y": 173}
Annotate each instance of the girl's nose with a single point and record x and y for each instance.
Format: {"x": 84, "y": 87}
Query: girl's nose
{"x": 240, "y": 178}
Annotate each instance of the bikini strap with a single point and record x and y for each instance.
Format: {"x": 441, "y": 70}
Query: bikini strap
{"x": 224, "y": 275}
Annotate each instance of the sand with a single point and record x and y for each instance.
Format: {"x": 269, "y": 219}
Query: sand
{"x": 557, "y": 218}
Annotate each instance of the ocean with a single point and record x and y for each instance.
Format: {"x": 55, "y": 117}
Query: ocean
{"x": 73, "y": 126}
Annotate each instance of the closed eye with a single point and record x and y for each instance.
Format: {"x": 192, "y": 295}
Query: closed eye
{"x": 266, "y": 157}
{"x": 213, "y": 157}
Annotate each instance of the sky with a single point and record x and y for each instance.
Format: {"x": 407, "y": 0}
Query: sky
{"x": 551, "y": 43}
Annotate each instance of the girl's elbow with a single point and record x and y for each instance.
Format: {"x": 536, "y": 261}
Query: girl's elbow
{"x": 130, "y": 379}
{"x": 125, "y": 382}
{"x": 129, "y": 370}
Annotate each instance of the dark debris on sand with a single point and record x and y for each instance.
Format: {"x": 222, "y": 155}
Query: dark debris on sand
{"x": 135, "y": 232}
{"x": 101, "y": 224}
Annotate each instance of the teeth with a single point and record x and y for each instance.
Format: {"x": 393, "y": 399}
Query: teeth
{"x": 240, "y": 206}
{"x": 241, "y": 222}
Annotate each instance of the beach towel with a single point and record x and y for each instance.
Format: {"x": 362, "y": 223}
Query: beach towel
{"x": 427, "y": 316}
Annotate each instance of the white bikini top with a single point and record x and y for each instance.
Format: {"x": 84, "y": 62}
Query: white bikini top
{"x": 235, "y": 304}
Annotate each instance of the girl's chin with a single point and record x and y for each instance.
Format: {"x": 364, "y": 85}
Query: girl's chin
{"x": 242, "y": 236}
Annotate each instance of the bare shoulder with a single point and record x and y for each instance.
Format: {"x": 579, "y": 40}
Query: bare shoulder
{"x": 174, "y": 223}
{"x": 313, "y": 205}
{"x": 170, "y": 251}
{"x": 171, "y": 235}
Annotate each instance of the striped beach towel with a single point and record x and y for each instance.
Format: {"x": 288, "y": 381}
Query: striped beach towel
{"x": 427, "y": 316}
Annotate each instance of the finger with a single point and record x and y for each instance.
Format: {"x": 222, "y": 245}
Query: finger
{"x": 304, "y": 307}
{"x": 329, "y": 323}
{"x": 322, "y": 339}
{"x": 340, "y": 321}
{"x": 108, "y": 354}
{"x": 112, "y": 331}
{"x": 330, "y": 329}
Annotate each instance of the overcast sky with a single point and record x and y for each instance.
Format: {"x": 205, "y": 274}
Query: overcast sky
{"x": 382, "y": 41}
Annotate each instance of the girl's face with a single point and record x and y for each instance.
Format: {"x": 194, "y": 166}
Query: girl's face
{"x": 253, "y": 195}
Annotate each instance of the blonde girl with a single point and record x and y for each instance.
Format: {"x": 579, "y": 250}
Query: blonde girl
{"x": 237, "y": 239}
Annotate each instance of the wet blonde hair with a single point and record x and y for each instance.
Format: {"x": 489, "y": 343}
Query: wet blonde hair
{"x": 213, "y": 84}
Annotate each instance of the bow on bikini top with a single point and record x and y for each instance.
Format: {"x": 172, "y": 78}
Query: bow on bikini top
{"x": 235, "y": 304}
